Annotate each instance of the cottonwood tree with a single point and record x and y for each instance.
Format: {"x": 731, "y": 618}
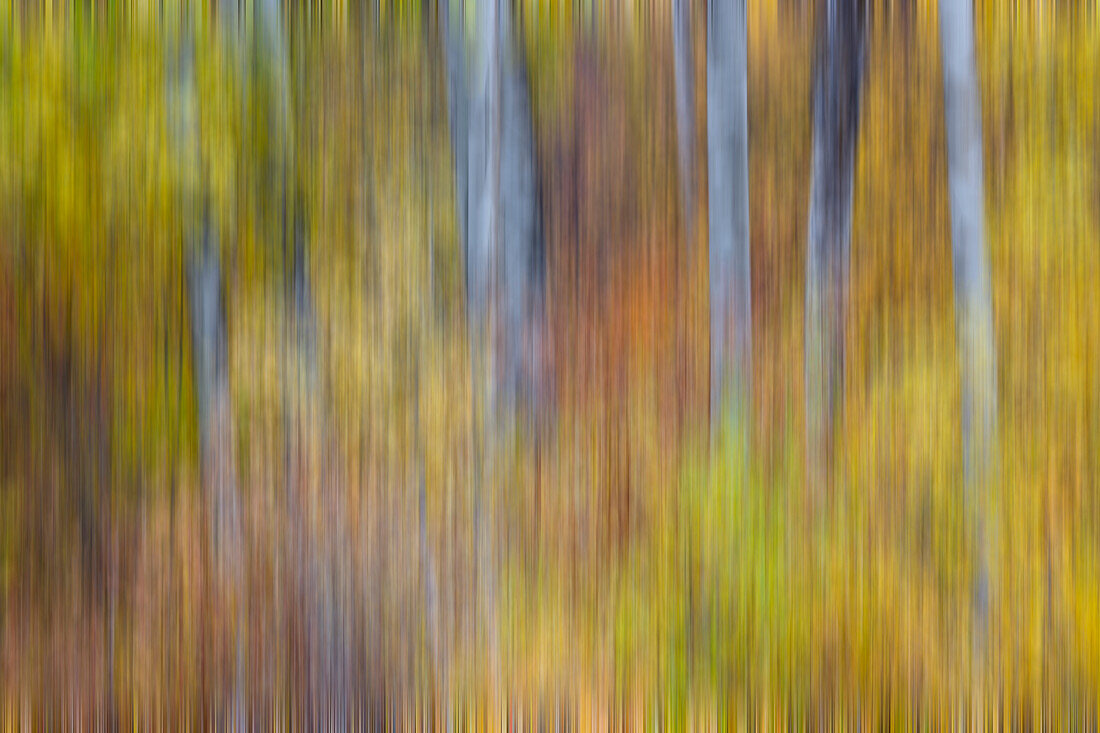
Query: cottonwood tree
{"x": 728, "y": 212}
{"x": 500, "y": 224}
{"x": 973, "y": 302}
{"x": 727, "y": 208}
{"x": 838, "y": 81}
{"x": 683, "y": 67}
{"x": 496, "y": 192}
{"x": 209, "y": 345}
{"x": 729, "y": 249}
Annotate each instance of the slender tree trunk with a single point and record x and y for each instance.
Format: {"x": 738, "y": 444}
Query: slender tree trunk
{"x": 458, "y": 104}
{"x": 484, "y": 164}
{"x": 521, "y": 258}
{"x": 209, "y": 349}
{"x": 472, "y": 105}
{"x": 210, "y": 358}
{"x": 497, "y": 184}
{"x": 484, "y": 150}
{"x": 500, "y": 224}
{"x": 838, "y": 83}
{"x": 683, "y": 63}
{"x": 973, "y": 302}
{"x": 728, "y": 211}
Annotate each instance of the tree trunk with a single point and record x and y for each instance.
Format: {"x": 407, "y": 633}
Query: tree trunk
{"x": 210, "y": 358}
{"x": 973, "y": 302}
{"x": 838, "y": 82}
{"x": 484, "y": 150}
{"x": 522, "y": 258}
{"x": 683, "y": 63}
{"x": 210, "y": 369}
{"x": 728, "y": 211}
{"x": 496, "y": 189}
{"x": 458, "y": 107}
{"x": 484, "y": 164}
{"x": 496, "y": 181}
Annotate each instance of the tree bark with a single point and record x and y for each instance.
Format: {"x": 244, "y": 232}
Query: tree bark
{"x": 973, "y": 302}
{"x": 728, "y": 211}
{"x": 838, "y": 83}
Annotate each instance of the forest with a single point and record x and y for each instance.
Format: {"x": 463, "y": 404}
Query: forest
{"x": 482, "y": 364}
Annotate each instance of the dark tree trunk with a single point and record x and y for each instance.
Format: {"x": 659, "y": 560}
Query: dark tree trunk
{"x": 838, "y": 80}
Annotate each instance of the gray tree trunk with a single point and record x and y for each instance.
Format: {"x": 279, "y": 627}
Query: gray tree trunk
{"x": 499, "y": 219}
{"x": 458, "y": 103}
{"x": 210, "y": 360}
{"x": 683, "y": 63}
{"x": 496, "y": 187}
{"x": 209, "y": 352}
{"x": 728, "y": 211}
{"x": 483, "y": 148}
{"x": 288, "y": 199}
{"x": 521, "y": 260}
{"x": 838, "y": 80}
{"x": 973, "y": 302}
{"x": 484, "y": 171}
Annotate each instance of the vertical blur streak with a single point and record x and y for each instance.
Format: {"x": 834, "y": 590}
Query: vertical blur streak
{"x": 728, "y": 206}
{"x": 684, "y": 69}
{"x": 210, "y": 362}
{"x": 973, "y": 301}
{"x": 838, "y": 86}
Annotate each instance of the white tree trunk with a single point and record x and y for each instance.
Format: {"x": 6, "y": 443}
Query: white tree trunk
{"x": 973, "y": 302}
{"x": 728, "y": 210}
{"x": 496, "y": 182}
{"x": 496, "y": 187}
